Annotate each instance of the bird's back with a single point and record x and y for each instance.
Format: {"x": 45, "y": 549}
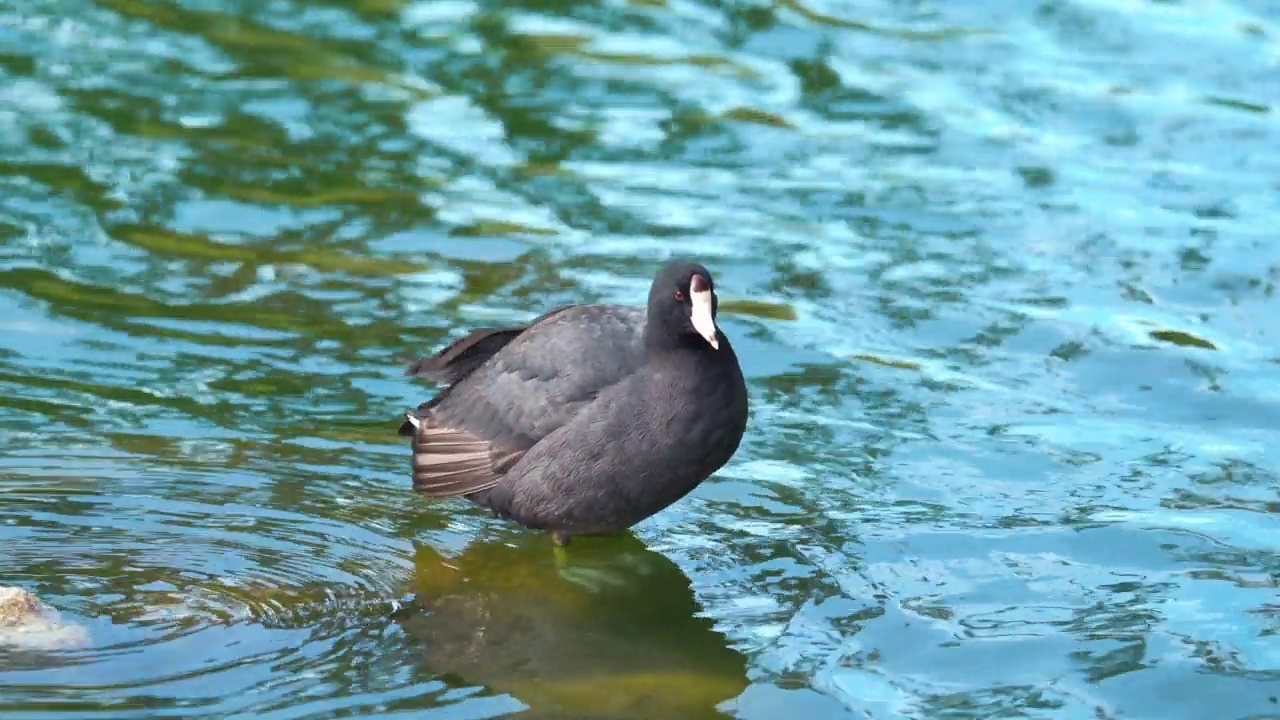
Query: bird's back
{"x": 512, "y": 387}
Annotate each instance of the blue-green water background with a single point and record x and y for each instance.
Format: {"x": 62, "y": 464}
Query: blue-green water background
{"x": 1002, "y": 277}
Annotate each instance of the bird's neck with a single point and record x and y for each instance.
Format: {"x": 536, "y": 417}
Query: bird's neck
{"x": 664, "y": 342}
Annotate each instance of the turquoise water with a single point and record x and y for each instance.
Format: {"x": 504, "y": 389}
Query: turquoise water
{"x": 1002, "y": 277}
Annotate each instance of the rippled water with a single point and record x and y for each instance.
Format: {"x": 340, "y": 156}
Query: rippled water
{"x": 1002, "y": 276}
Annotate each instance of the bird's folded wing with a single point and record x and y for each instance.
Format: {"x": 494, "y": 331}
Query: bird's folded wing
{"x": 468, "y": 436}
{"x": 448, "y": 461}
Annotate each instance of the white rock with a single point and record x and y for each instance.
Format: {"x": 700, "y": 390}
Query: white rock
{"x": 28, "y": 624}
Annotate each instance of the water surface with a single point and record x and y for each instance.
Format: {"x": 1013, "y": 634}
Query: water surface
{"x": 1002, "y": 277}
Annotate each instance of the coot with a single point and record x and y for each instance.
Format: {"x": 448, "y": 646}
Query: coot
{"x": 588, "y": 419}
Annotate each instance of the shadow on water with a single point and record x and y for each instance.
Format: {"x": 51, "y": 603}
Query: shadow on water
{"x": 611, "y": 631}
{"x": 607, "y": 630}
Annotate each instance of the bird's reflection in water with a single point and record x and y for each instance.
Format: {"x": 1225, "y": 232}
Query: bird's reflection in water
{"x": 607, "y": 630}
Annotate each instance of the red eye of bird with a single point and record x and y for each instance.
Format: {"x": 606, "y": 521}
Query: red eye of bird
{"x": 680, "y": 296}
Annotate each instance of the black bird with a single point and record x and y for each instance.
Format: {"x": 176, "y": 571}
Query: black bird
{"x": 590, "y": 418}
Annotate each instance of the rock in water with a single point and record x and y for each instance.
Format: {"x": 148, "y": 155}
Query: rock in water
{"x": 28, "y": 624}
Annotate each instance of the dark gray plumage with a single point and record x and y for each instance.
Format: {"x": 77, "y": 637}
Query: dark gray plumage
{"x": 590, "y": 418}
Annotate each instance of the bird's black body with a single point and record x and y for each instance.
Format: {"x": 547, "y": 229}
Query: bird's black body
{"x": 587, "y": 420}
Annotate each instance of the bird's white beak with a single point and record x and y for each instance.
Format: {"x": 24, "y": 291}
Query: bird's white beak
{"x": 703, "y": 322}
